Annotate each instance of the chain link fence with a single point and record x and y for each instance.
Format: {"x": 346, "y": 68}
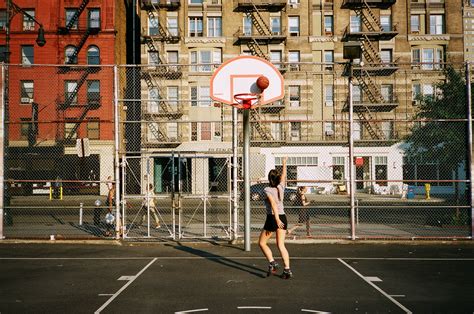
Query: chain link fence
{"x": 172, "y": 152}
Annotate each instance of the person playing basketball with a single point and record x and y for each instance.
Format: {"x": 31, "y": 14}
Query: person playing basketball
{"x": 275, "y": 222}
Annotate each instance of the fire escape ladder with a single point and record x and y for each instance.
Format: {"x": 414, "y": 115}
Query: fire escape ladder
{"x": 262, "y": 130}
{"x": 68, "y": 101}
{"x": 76, "y": 15}
{"x": 371, "y": 54}
{"x": 78, "y": 123}
{"x": 79, "y": 46}
{"x": 157, "y": 130}
{"x": 369, "y": 18}
{"x": 255, "y": 49}
{"x": 165, "y": 108}
{"x": 365, "y": 116}
{"x": 258, "y": 21}
{"x": 369, "y": 87}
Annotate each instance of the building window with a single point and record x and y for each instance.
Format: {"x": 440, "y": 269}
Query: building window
{"x": 69, "y": 16}
{"x": 217, "y": 131}
{"x": 70, "y": 56}
{"x": 93, "y": 128}
{"x": 295, "y": 131}
{"x": 328, "y": 24}
{"x": 94, "y": 18}
{"x": 153, "y": 100}
{"x": 3, "y": 51}
{"x": 275, "y": 22}
{"x": 415, "y": 23}
{"x": 202, "y": 60}
{"x": 153, "y": 58}
{"x": 338, "y": 168}
{"x": 70, "y": 130}
{"x": 276, "y": 130}
{"x": 437, "y": 24}
{"x": 214, "y": 26}
{"x": 200, "y": 96}
{"x": 329, "y": 95}
{"x": 26, "y": 92}
{"x": 329, "y": 59}
{"x": 430, "y": 58}
{"x": 387, "y": 92}
{"x": 386, "y": 56}
{"x": 329, "y": 128}
{"x": 195, "y": 1}
{"x": 195, "y": 26}
{"x": 355, "y": 24}
{"x": 173, "y": 25}
{"x": 294, "y": 25}
{"x": 25, "y": 127}
{"x": 276, "y": 58}
{"x": 93, "y": 55}
{"x": 357, "y": 130}
{"x": 205, "y": 131}
{"x": 27, "y": 55}
{"x": 415, "y": 93}
{"x": 356, "y": 94}
{"x": 387, "y": 129}
{"x": 70, "y": 92}
{"x": 194, "y": 131}
{"x": 93, "y": 92}
{"x": 172, "y": 129}
{"x": 295, "y": 95}
{"x": 29, "y": 23}
{"x": 247, "y": 26}
{"x": 294, "y": 60}
{"x": 386, "y": 23}
{"x": 173, "y": 97}
{"x": 153, "y": 26}
{"x": 3, "y": 19}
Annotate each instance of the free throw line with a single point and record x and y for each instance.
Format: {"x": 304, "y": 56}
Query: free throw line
{"x": 375, "y": 286}
{"x": 124, "y": 287}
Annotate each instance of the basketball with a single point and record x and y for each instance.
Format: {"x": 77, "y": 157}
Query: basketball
{"x": 262, "y": 82}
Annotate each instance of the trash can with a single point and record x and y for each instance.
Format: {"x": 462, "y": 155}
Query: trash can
{"x": 411, "y": 192}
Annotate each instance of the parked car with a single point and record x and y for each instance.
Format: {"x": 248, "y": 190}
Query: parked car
{"x": 257, "y": 192}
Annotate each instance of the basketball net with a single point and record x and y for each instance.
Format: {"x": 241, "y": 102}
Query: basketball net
{"x": 244, "y": 100}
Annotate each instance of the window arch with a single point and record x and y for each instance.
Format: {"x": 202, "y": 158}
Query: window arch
{"x": 70, "y": 56}
{"x": 93, "y": 55}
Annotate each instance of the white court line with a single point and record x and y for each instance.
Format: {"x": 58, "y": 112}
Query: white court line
{"x": 192, "y": 311}
{"x": 398, "y": 295}
{"x": 375, "y": 286}
{"x": 124, "y": 287}
{"x": 254, "y": 307}
{"x": 314, "y": 311}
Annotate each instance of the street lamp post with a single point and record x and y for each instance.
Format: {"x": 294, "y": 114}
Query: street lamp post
{"x": 351, "y": 51}
{"x": 11, "y": 10}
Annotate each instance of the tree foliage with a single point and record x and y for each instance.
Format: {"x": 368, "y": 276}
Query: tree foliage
{"x": 441, "y": 141}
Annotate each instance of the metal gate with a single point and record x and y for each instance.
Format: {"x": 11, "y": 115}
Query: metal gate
{"x": 192, "y": 195}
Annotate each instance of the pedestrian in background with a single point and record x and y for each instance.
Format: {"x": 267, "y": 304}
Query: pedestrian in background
{"x": 275, "y": 222}
{"x": 301, "y": 202}
{"x": 149, "y": 201}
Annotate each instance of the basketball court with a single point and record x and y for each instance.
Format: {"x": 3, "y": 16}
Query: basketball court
{"x": 222, "y": 278}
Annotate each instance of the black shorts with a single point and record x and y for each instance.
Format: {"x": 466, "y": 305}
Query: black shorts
{"x": 271, "y": 225}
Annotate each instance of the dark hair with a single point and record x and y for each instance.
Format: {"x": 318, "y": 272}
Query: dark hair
{"x": 274, "y": 178}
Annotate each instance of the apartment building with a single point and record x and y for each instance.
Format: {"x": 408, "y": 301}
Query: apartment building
{"x": 58, "y": 92}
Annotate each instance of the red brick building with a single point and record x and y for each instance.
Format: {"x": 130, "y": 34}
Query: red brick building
{"x": 62, "y": 91}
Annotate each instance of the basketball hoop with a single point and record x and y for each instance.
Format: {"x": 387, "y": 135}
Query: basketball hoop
{"x": 245, "y": 100}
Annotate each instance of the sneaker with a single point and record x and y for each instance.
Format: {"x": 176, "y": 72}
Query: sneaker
{"x": 272, "y": 268}
{"x": 158, "y": 227}
{"x": 287, "y": 274}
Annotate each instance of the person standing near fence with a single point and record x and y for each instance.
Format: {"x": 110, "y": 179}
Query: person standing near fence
{"x": 302, "y": 203}
{"x": 275, "y": 222}
{"x": 149, "y": 200}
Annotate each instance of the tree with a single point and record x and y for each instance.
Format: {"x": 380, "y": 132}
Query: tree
{"x": 436, "y": 138}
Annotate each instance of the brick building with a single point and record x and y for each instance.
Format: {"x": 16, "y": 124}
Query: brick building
{"x": 71, "y": 101}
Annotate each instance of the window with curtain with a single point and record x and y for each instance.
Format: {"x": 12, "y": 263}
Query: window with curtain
{"x": 437, "y": 24}
{"x": 27, "y": 55}
{"x": 294, "y": 25}
{"x": 93, "y": 55}
{"x": 29, "y": 23}
{"x": 69, "y": 15}
{"x": 173, "y": 25}
{"x": 153, "y": 26}
{"x": 26, "y": 92}
{"x": 195, "y": 26}
{"x": 214, "y": 26}
{"x": 94, "y": 18}
{"x": 275, "y": 22}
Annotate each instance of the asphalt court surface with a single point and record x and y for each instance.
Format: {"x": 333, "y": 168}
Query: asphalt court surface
{"x": 221, "y": 278}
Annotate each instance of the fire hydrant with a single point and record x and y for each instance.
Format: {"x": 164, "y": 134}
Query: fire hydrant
{"x": 427, "y": 190}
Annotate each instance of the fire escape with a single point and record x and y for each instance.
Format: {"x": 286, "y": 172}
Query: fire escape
{"x": 370, "y": 33}
{"x": 256, "y": 38}
{"x": 80, "y": 74}
{"x": 154, "y": 75}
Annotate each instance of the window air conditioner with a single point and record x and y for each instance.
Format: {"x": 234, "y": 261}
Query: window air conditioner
{"x": 26, "y": 100}
{"x": 294, "y": 5}
{"x": 294, "y": 103}
{"x": 329, "y": 132}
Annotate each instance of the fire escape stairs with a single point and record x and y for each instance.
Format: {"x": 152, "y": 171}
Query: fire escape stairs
{"x": 73, "y": 131}
{"x": 263, "y": 131}
{"x": 369, "y": 18}
{"x": 68, "y": 101}
{"x": 256, "y": 50}
{"x": 75, "y": 17}
{"x": 371, "y": 55}
{"x": 84, "y": 37}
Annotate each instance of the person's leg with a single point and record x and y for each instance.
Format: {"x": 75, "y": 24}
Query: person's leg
{"x": 280, "y": 237}
{"x": 155, "y": 215}
{"x": 308, "y": 228}
{"x": 262, "y": 242}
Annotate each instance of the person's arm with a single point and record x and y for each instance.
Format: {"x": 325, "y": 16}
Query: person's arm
{"x": 111, "y": 199}
{"x": 273, "y": 204}
{"x": 283, "y": 172}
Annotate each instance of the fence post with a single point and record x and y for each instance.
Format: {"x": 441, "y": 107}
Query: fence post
{"x": 81, "y": 212}
{"x": 2, "y": 153}
{"x": 351, "y": 155}
{"x": 469, "y": 136}
{"x": 235, "y": 165}
{"x": 118, "y": 218}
